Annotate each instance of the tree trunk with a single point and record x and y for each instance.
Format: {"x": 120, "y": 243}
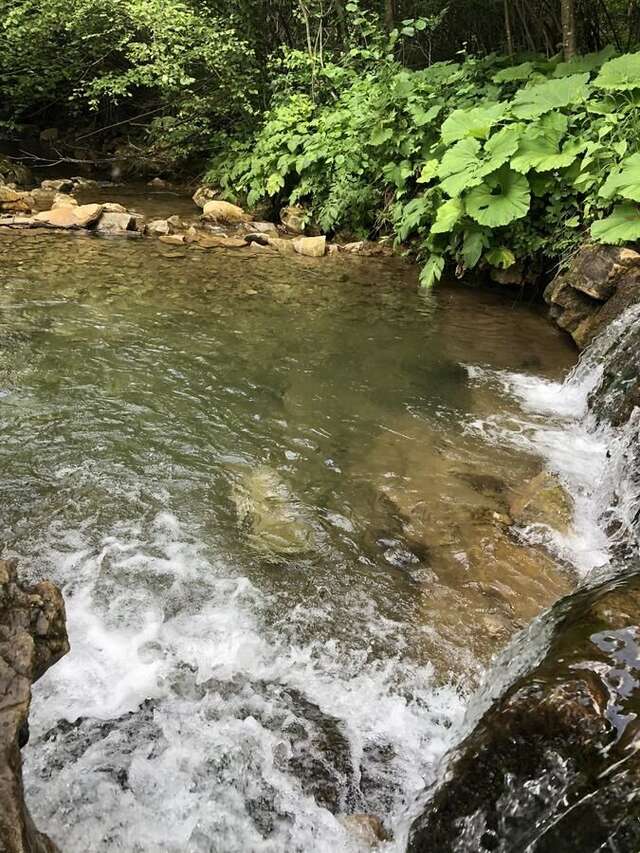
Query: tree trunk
{"x": 568, "y": 14}
{"x": 389, "y": 14}
{"x": 507, "y": 27}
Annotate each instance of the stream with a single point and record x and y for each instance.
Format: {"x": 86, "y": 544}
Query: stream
{"x": 273, "y": 491}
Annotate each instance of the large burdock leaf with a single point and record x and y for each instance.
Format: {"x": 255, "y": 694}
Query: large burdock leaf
{"x": 501, "y": 147}
{"x": 476, "y": 122}
{"x": 536, "y": 100}
{"x": 624, "y": 181}
{"x": 622, "y": 226}
{"x": 621, "y": 74}
{"x": 514, "y": 72}
{"x": 448, "y": 216}
{"x": 540, "y": 149}
{"x": 500, "y": 200}
{"x": 459, "y": 167}
{"x": 586, "y": 62}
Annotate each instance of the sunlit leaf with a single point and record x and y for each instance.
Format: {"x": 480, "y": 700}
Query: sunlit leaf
{"x": 500, "y": 257}
{"x": 501, "y": 199}
{"x": 535, "y": 100}
{"x": 476, "y": 122}
{"x": 622, "y": 226}
{"x": 432, "y": 271}
{"x": 624, "y": 181}
{"x": 621, "y": 74}
{"x": 448, "y": 216}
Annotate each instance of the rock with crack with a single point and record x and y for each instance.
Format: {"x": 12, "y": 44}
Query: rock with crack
{"x": 32, "y": 637}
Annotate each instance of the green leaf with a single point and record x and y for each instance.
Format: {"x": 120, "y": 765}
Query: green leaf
{"x": 421, "y": 117}
{"x": 535, "y": 100}
{"x": 624, "y": 181}
{"x": 432, "y": 271}
{"x": 501, "y": 257}
{"x": 540, "y": 147}
{"x": 381, "y": 135}
{"x": 514, "y": 72}
{"x": 622, "y": 226}
{"x": 459, "y": 167}
{"x": 474, "y": 241}
{"x": 501, "y": 147}
{"x": 588, "y": 62}
{"x": 503, "y": 198}
{"x": 429, "y": 171}
{"x": 275, "y": 182}
{"x": 621, "y": 74}
{"x": 476, "y": 122}
{"x": 447, "y": 216}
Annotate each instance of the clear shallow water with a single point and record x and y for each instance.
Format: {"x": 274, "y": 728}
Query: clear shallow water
{"x": 269, "y": 489}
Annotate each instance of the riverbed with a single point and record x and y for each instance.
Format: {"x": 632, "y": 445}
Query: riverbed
{"x": 274, "y": 491}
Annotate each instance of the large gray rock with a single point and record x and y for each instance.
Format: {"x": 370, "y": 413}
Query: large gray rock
{"x": 554, "y": 763}
{"x": 113, "y": 222}
{"x": 599, "y": 284}
{"x": 32, "y": 637}
{"x": 82, "y": 216}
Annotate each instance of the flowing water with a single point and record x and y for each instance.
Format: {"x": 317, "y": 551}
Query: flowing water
{"x": 274, "y": 493}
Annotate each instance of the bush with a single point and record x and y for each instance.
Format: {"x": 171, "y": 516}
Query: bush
{"x": 473, "y": 162}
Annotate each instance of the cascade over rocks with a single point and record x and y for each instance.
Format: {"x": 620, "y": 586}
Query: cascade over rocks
{"x": 556, "y": 757}
{"x": 33, "y": 636}
{"x": 599, "y": 284}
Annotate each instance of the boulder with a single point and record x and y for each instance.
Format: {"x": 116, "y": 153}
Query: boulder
{"x": 63, "y": 185}
{"x": 223, "y": 212}
{"x": 311, "y": 247}
{"x": 157, "y": 227}
{"x": 82, "y": 216}
{"x": 63, "y": 200}
{"x": 366, "y": 828}
{"x": 366, "y": 248}
{"x": 139, "y": 221}
{"x": 553, "y": 764}
{"x": 211, "y": 242}
{"x": 113, "y": 222}
{"x": 285, "y": 247}
{"x": 15, "y": 201}
{"x": 294, "y": 219}
{"x": 113, "y": 207}
{"x": 159, "y": 184}
{"x": 263, "y": 228}
{"x": 172, "y": 239}
{"x": 42, "y": 199}
{"x": 598, "y": 285}
{"x": 32, "y": 637}
{"x": 204, "y": 194}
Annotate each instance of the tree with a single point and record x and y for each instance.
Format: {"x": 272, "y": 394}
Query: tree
{"x": 568, "y": 16}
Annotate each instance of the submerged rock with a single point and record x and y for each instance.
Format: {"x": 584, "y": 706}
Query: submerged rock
{"x": 32, "y": 638}
{"x": 366, "y": 828}
{"x": 266, "y": 509}
{"x": 542, "y": 500}
{"x": 554, "y": 764}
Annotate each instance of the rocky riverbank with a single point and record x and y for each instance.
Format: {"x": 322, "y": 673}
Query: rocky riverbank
{"x": 32, "y": 637}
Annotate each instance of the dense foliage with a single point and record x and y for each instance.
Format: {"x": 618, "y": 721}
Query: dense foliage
{"x": 475, "y": 161}
{"x": 380, "y": 116}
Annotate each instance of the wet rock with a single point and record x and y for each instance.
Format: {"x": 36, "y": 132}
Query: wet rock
{"x": 113, "y": 207}
{"x": 366, "y": 248}
{"x": 264, "y": 228}
{"x": 542, "y": 500}
{"x": 512, "y": 275}
{"x": 223, "y": 212}
{"x": 81, "y": 183}
{"x": 260, "y": 239}
{"x": 158, "y": 227}
{"x": 366, "y": 828}
{"x": 42, "y": 198}
{"x": 115, "y": 223}
{"x": 285, "y": 247}
{"x": 14, "y": 201}
{"x": 554, "y": 763}
{"x": 206, "y": 241}
{"x": 310, "y": 247}
{"x": 600, "y": 283}
{"x": 204, "y": 194}
{"x": 274, "y": 522}
{"x": 32, "y": 638}
{"x": 82, "y": 216}
{"x": 63, "y": 185}
{"x": 159, "y": 184}
{"x": 294, "y": 219}
{"x": 173, "y": 239}
{"x": 63, "y": 200}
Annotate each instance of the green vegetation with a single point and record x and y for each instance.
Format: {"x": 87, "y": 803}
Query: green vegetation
{"x": 478, "y": 133}
{"x": 472, "y": 161}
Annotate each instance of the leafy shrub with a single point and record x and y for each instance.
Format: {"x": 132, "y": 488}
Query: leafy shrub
{"x": 473, "y": 162}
